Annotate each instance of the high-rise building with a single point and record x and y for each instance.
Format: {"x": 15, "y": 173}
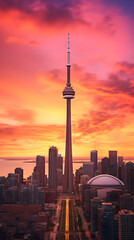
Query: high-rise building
{"x": 39, "y": 170}
{"x": 60, "y": 170}
{"x": 78, "y": 174}
{"x": 52, "y": 160}
{"x": 113, "y": 163}
{"x": 94, "y": 159}
{"x": 96, "y": 203}
{"x": 68, "y": 94}
{"x": 12, "y": 195}
{"x": 23, "y": 196}
{"x": 114, "y": 196}
{"x": 88, "y": 169}
{"x": 105, "y": 162}
{"x": 129, "y": 176}
{"x": 120, "y": 170}
{"x": 126, "y": 225}
{"x": 84, "y": 179}
{"x": 2, "y": 180}
{"x": 120, "y": 161}
{"x": 89, "y": 194}
{"x": 19, "y": 171}
{"x": 32, "y": 195}
{"x": 106, "y": 222}
{"x": 127, "y": 202}
{"x": 2, "y": 197}
{"x": 12, "y": 179}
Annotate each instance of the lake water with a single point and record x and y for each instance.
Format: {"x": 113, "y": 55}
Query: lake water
{"x": 8, "y": 166}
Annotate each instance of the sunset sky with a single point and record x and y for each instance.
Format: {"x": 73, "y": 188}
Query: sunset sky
{"x": 33, "y": 54}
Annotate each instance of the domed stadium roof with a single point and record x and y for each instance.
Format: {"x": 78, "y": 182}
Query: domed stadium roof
{"x": 105, "y": 180}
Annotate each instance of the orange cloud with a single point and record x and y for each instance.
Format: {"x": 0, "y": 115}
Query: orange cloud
{"x": 32, "y": 79}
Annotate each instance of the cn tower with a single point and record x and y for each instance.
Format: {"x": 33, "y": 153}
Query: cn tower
{"x": 68, "y": 94}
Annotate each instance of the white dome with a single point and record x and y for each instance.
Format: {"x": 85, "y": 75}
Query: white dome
{"x": 105, "y": 180}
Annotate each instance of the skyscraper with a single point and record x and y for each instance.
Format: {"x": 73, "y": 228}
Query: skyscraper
{"x": 53, "y": 155}
{"x": 68, "y": 94}
{"x": 40, "y": 170}
{"x": 105, "y": 162}
{"x": 20, "y": 172}
{"x": 113, "y": 163}
{"x": 60, "y": 170}
{"x": 94, "y": 159}
{"x": 120, "y": 171}
{"x": 127, "y": 201}
{"x": 126, "y": 225}
{"x": 88, "y": 169}
{"x": 106, "y": 222}
{"x": 96, "y": 203}
{"x": 120, "y": 161}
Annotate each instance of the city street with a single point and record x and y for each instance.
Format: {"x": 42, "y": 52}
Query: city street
{"x": 55, "y": 220}
{"x": 67, "y": 220}
{"x": 84, "y": 223}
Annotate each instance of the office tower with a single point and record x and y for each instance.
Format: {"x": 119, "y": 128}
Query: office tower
{"x": 113, "y": 163}
{"x": 53, "y": 156}
{"x": 116, "y": 227}
{"x": 82, "y": 190}
{"x": 2, "y": 180}
{"x": 23, "y": 198}
{"x": 114, "y": 196}
{"x": 84, "y": 179}
{"x": 126, "y": 225}
{"x": 129, "y": 176}
{"x": 105, "y": 162}
{"x": 78, "y": 174}
{"x": 89, "y": 194}
{"x": 127, "y": 201}
{"x": 120, "y": 172}
{"x": 19, "y": 171}
{"x": 2, "y": 194}
{"x": 131, "y": 179}
{"x": 12, "y": 195}
{"x": 106, "y": 222}
{"x": 120, "y": 161}
{"x": 35, "y": 176}
{"x": 96, "y": 203}
{"x": 40, "y": 170}
{"x": 98, "y": 171}
{"x": 12, "y": 179}
{"x": 32, "y": 195}
{"x": 94, "y": 159}
{"x": 60, "y": 170}
{"x": 88, "y": 169}
{"x": 68, "y": 94}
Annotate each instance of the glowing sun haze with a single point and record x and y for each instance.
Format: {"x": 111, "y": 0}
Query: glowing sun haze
{"x": 33, "y": 75}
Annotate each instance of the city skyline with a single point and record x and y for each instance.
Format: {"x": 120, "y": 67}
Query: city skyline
{"x": 67, "y": 167}
{"x": 33, "y": 74}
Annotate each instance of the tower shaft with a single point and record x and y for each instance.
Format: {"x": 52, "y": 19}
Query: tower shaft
{"x": 68, "y": 175}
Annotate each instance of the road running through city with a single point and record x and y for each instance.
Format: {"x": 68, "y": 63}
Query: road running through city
{"x": 67, "y": 220}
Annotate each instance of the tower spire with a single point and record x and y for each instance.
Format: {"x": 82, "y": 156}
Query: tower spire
{"x": 68, "y": 51}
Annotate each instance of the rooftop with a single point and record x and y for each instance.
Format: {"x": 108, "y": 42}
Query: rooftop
{"x": 105, "y": 180}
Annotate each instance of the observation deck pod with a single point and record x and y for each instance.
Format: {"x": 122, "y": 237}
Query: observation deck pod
{"x": 68, "y": 93}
